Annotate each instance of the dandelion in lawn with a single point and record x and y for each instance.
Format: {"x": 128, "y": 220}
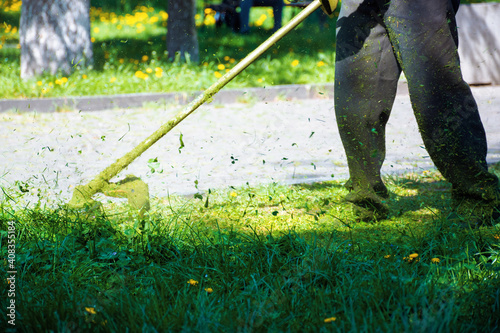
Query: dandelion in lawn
{"x": 295, "y": 63}
{"x": 39, "y": 83}
{"x": 232, "y": 60}
{"x": 158, "y": 72}
{"x": 217, "y": 74}
{"x": 413, "y": 255}
{"x": 221, "y": 67}
{"x": 330, "y": 320}
{"x": 226, "y": 58}
{"x": 90, "y": 310}
{"x": 321, "y": 63}
{"x": 192, "y": 282}
{"x": 96, "y": 30}
{"x": 233, "y": 194}
{"x": 149, "y": 70}
{"x": 113, "y": 79}
{"x": 261, "y": 20}
{"x": 92, "y": 40}
{"x": 209, "y": 290}
{"x": 435, "y": 260}
{"x": 260, "y": 80}
{"x": 84, "y": 76}
{"x": 387, "y": 256}
{"x": 121, "y": 60}
{"x": 497, "y": 236}
{"x": 141, "y": 75}
{"x": 144, "y": 58}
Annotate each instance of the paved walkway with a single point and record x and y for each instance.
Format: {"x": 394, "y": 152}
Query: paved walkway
{"x": 224, "y": 145}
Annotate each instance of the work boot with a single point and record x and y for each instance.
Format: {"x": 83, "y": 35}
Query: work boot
{"x": 474, "y": 212}
{"x": 368, "y": 205}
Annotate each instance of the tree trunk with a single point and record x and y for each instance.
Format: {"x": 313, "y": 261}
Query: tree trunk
{"x": 54, "y": 36}
{"x": 181, "y": 30}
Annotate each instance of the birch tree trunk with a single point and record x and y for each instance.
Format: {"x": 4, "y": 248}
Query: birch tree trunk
{"x": 182, "y": 38}
{"x": 54, "y": 36}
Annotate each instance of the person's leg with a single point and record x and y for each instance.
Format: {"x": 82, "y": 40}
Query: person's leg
{"x": 277, "y": 13}
{"x": 245, "y": 7}
{"x": 366, "y": 76}
{"x": 425, "y": 39}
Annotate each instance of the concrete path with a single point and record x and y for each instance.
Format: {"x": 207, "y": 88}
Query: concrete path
{"x": 222, "y": 145}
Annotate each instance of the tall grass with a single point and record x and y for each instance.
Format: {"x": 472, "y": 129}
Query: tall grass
{"x": 273, "y": 258}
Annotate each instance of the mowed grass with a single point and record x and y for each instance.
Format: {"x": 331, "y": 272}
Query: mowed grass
{"x": 272, "y": 258}
{"x": 130, "y": 56}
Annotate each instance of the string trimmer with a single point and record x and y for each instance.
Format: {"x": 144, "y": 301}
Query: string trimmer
{"x": 133, "y": 188}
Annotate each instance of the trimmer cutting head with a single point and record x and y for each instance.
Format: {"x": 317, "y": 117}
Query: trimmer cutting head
{"x": 132, "y": 188}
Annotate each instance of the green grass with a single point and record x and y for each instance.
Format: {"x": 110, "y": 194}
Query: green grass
{"x": 119, "y": 55}
{"x": 277, "y": 258}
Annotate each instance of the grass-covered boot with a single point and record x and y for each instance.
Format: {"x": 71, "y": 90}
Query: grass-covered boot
{"x": 368, "y": 205}
{"x": 474, "y": 212}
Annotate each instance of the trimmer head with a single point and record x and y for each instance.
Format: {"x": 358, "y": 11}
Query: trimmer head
{"x": 131, "y": 188}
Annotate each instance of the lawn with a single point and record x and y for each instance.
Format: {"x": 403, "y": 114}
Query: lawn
{"x": 270, "y": 258}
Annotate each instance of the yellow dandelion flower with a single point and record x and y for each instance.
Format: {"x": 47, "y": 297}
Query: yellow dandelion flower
{"x": 192, "y": 282}
{"x": 121, "y": 60}
{"x": 321, "y": 63}
{"x": 144, "y": 58}
{"x": 141, "y": 75}
{"x": 209, "y": 290}
{"x": 232, "y": 60}
{"x": 221, "y": 67}
{"x": 149, "y": 70}
{"x": 413, "y": 255}
{"x": 113, "y": 79}
{"x": 387, "y": 256}
{"x": 64, "y": 79}
{"x": 84, "y": 76}
{"x": 39, "y": 83}
{"x": 217, "y": 74}
{"x": 233, "y": 194}
{"x": 260, "y": 80}
{"x": 119, "y": 27}
{"x": 330, "y": 320}
{"x": 58, "y": 82}
{"x": 92, "y": 40}
{"x": 90, "y": 310}
{"x": 295, "y": 63}
{"x": 226, "y": 58}
{"x": 96, "y": 30}
{"x": 435, "y": 260}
